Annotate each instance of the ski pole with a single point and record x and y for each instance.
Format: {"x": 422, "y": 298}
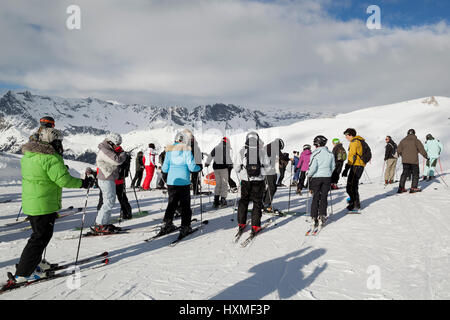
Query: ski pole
{"x": 239, "y": 189}
{"x": 268, "y": 191}
{"x": 440, "y": 165}
{"x": 367, "y": 175}
{"x": 209, "y": 189}
{"x": 307, "y": 196}
{"x": 82, "y": 225}
{"x": 20, "y": 211}
{"x": 440, "y": 176}
{"x": 290, "y": 185}
{"x": 382, "y": 171}
{"x": 135, "y": 195}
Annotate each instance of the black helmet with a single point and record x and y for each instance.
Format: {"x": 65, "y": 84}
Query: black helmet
{"x": 320, "y": 141}
{"x": 411, "y": 131}
{"x": 429, "y": 137}
{"x": 47, "y": 122}
{"x": 307, "y": 146}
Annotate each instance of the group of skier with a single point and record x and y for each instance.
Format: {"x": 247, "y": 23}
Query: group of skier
{"x": 258, "y": 166}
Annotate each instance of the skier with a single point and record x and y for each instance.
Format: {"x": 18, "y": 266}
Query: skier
{"x": 222, "y": 161}
{"x": 45, "y": 122}
{"x": 355, "y": 165}
{"x": 271, "y": 171}
{"x": 321, "y": 168}
{"x": 149, "y": 163}
{"x": 339, "y": 157}
{"x": 250, "y": 164}
{"x": 43, "y": 177}
{"x": 109, "y": 158}
{"x": 434, "y": 148}
{"x": 284, "y": 160}
{"x": 198, "y": 156}
{"x": 302, "y": 166}
{"x": 409, "y": 149}
{"x": 162, "y": 182}
{"x": 178, "y": 164}
{"x": 140, "y": 167}
{"x": 295, "y": 161}
{"x": 390, "y": 158}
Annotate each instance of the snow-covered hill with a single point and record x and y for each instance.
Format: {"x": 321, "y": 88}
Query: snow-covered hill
{"x": 387, "y": 252}
{"x": 90, "y": 119}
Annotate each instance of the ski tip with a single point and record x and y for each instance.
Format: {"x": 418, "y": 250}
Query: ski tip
{"x": 104, "y": 254}
{"x": 205, "y": 221}
{"x": 106, "y": 261}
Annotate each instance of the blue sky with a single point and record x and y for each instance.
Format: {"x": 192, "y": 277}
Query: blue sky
{"x": 394, "y": 13}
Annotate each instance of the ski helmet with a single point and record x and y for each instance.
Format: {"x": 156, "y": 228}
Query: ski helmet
{"x": 114, "y": 138}
{"x": 151, "y": 145}
{"x": 49, "y": 135}
{"x": 320, "y": 141}
{"x": 429, "y": 137}
{"x": 47, "y": 122}
{"x": 411, "y": 131}
{"x": 307, "y": 146}
{"x": 226, "y": 140}
{"x": 336, "y": 141}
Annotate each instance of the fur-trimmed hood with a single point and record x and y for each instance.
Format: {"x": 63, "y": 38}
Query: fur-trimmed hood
{"x": 38, "y": 147}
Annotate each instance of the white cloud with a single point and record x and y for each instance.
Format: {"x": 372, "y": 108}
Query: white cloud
{"x": 194, "y": 52}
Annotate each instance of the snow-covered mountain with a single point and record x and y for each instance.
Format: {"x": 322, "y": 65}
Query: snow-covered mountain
{"x": 387, "y": 252}
{"x": 20, "y": 113}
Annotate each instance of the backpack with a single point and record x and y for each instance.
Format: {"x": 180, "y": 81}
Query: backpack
{"x": 394, "y": 152}
{"x": 253, "y": 170}
{"x": 341, "y": 154}
{"x": 366, "y": 155}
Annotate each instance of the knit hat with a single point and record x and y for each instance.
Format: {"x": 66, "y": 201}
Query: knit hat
{"x": 47, "y": 122}
{"x": 335, "y": 141}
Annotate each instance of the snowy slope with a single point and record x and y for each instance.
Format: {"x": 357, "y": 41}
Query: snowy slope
{"x": 390, "y": 240}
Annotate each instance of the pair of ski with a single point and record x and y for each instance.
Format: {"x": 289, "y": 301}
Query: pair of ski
{"x": 180, "y": 237}
{"x": 252, "y": 235}
{"x": 99, "y": 260}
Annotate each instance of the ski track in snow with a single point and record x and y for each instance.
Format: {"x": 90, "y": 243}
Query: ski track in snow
{"x": 407, "y": 236}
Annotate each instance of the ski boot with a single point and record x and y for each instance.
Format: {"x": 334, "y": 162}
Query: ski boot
{"x": 184, "y": 231}
{"x": 268, "y": 209}
{"x": 45, "y": 266}
{"x": 401, "y": 190}
{"x": 216, "y": 203}
{"x": 36, "y": 275}
{"x": 322, "y": 220}
{"x": 223, "y": 202}
{"x": 255, "y": 230}
{"x": 415, "y": 190}
{"x": 167, "y": 228}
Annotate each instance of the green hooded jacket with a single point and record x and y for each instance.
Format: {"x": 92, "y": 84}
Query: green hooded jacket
{"x": 43, "y": 177}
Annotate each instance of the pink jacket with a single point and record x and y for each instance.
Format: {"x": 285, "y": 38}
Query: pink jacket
{"x": 303, "y": 163}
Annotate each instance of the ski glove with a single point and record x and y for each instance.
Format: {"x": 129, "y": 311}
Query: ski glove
{"x": 87, "y": 182}
{"x": 345, "y": 173}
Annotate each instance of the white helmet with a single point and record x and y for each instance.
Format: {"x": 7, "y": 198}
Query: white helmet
{"x": 49, "y": 135}
{"x": 114, "y": 138}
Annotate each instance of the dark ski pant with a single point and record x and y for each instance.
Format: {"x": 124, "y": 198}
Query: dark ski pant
{"x": 281, "y": 178}
{"x": 195, "y": 182}
{"x": 42, "y": 227}
{"x": 137, "y": 179}
{"x": 320, "y": 188}
{"x": 179, "y": 195}
{"x": 125, "y": 206}
{"x": 354, "y": 175}
{"x": 231, "y": 181}
{"x": 251, "y": 191}
{"x": 301, "y": 181}
{"x": 271, "y": 188}
{"x": 408, "y": 170}
{"x": 337, "y": 172}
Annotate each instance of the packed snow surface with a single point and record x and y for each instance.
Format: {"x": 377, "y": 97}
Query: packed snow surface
{"x": 397, "y": 248}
